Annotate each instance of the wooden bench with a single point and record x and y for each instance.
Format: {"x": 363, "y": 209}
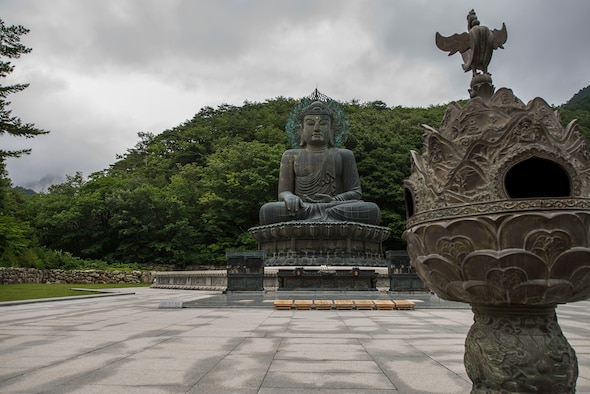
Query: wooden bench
{"x": 381, "y": 305}
{"x": 364, "y": 304}
{"x": 404, "y": 305}
{"x": 283, "y": 304}
{"x": 344, "y": 304}
{"x": 324, "y": 305}
{"x": 303, "y": 304}
{"x": 384, "y": 305}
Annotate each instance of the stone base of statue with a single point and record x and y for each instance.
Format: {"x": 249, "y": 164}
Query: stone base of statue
{"x": 303, "y": 243}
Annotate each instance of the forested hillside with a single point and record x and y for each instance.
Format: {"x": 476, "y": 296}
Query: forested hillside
{"x": 186, "y": 195}
{"x": 578, "y": 107}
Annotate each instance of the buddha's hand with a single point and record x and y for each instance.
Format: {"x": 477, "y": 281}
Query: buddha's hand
{"x": 293, "y": 204}
{"x": 318, "y": 198}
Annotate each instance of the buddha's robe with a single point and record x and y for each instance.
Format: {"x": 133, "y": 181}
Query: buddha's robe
{"x": 331, "y": 172}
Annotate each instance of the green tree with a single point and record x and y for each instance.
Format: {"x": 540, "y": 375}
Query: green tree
{"x": 11, "y": 48}
{"x": 12, "y": 230}
{"x": 186, "y": 195}
{"x": 578, "y": 107}
{"x": 230, "y": 190}
{"x": 141, "y": 219}
{"x": 381, "y": 138}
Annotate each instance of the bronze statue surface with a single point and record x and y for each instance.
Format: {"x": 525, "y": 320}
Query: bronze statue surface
{"x": 490, "y": 157}
{"x": 476, "y": 45}
{"x": 499, "y": 217}
{"x": 318, "y": 181}
{"x": 319, "y": 218}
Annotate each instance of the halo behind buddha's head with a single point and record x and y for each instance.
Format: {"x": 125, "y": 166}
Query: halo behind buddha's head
{"x": 318, "y": 104}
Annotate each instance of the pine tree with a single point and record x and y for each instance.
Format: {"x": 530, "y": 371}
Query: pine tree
{"x": 11, "y": 48}
{"x": 13, "y": 239}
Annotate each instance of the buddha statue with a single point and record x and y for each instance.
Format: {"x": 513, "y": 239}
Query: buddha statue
{"x": 319, "y": 182}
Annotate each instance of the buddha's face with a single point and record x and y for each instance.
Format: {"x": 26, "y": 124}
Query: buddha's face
{"x": 316, "y": 130}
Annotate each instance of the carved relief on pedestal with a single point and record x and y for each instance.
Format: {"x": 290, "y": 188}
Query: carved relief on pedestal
{"x": 301, "y": 243}
{"x": 497, "y": 151}
{"x": 519, "y": 352}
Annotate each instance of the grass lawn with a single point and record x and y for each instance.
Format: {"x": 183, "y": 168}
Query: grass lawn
{"x": 30, "y": 291}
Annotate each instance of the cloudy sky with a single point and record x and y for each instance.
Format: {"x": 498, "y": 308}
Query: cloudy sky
{"x": 103, "y": 70}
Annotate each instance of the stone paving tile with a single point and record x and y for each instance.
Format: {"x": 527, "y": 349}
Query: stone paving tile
{"x": 127, "y": 345}
{"x": 276, "y": 390}
{"x": 379, "y": 347}
{"x": 124, "y": 379}
{"x": 324, "y": 366}
{"x": 334, "y": 355}
{"x": 10, "y": 360}
{"x": 327, "y": 380}
{"x": 583, "y": 385}
{"x": 257, "y": 346}
{"x": 41, "y": 379}
{"x": 116, "y": 389}
{"x": 245, "y": 372}
{"x": 409, "y": 376}
{"x": 9, "y": 373}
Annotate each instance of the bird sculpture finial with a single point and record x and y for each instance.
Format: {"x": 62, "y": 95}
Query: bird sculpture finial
{"x": 476, "y": 47}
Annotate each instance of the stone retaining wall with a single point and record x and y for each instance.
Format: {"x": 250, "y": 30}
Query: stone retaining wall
{"x": 32, "y": 275}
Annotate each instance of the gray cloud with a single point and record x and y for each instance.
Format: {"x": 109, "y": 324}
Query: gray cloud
{"x": 101, "y": 71}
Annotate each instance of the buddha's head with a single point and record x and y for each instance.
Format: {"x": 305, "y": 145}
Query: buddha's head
{"x": 317, "y": 125}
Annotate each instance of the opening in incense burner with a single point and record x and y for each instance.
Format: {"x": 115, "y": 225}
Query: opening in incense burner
{"x": 537, "y": 178}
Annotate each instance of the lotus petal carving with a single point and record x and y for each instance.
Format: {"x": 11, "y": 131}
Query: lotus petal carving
{"x": 297, "y": 243}
{"x": 524, "y": 258}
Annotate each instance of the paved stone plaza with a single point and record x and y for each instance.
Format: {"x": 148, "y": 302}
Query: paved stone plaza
{"x": 127, "y": 344}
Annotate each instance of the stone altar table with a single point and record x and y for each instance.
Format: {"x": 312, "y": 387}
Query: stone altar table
{"x": 327, "y": 279}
